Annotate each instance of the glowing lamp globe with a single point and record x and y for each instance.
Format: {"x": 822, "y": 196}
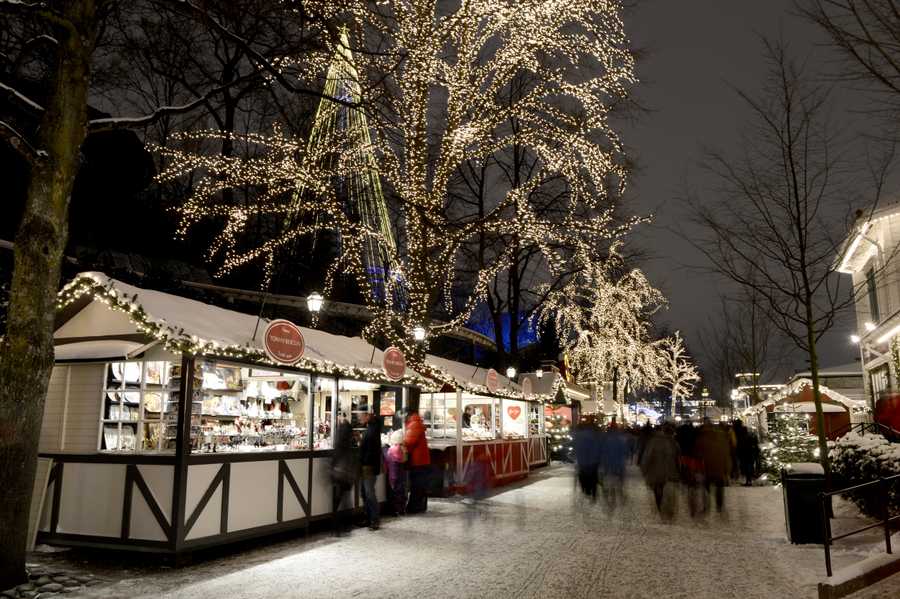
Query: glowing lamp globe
{"x": 314, "y": 302}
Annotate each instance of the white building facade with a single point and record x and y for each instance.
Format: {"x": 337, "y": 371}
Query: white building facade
{"x": 868, "y": 257}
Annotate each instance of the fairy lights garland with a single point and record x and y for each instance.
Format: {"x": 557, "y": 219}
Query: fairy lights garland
{"x": 437, "y": 96}
{"x": 179, "y": 341}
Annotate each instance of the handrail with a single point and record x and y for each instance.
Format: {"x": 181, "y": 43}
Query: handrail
{"x": 865, "y": 427}
{"x": 885, "y": 521}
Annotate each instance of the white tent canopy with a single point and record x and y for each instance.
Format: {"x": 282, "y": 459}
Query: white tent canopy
{"x": 112, "y": 324}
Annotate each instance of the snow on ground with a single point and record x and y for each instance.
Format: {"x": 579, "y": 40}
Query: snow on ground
{"x": 538, "y": 539}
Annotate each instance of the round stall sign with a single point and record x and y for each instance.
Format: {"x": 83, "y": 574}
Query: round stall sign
{"x": 526, "y": 387}
{"x": 394, "y": 363}
{"x": 284, "y": 342}
{"x": 491, "y": 380}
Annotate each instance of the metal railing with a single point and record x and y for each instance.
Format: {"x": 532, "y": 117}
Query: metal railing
{"x": 882, "y": 486}
{"x": 869, "y": 427}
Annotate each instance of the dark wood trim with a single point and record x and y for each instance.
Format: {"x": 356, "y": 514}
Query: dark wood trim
{"x": 207, "y": 495}
{"x": 226, "y": 490}
{"x": 248, "y": 533}
{"x": 57, "y": 477}
{"x": 136, "y": 337}
{"x": 77, "y": 540}
{"x": 109, "y": 458}
{"x": 284, "y": 472}
{"x": 138, "y": 479}
{"x": 182, "y": 451}
{"x": 253, "y": 456}
{"x": 126, "y": 502}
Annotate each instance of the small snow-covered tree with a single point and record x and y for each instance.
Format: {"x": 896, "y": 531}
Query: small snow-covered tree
{"x": 602, "y": 316}
{"x": 677, "y": 373}
{"x": 789, "y": 442}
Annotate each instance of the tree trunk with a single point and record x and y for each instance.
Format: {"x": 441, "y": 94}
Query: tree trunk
{"x": 26, "y": 353}
{"x": 817, "y": 398}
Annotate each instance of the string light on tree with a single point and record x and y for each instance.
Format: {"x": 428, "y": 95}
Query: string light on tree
{"x": 677, "y": 373}
{"x": 789, "y": 442}
{"x": 430, "y": 100}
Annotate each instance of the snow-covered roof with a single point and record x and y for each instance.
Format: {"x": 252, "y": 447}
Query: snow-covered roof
{"x": 122, "y": 311}
{"x": 795, "y": 388}
{"x": 851, "y": 369}
{"x": 550, "y": 383}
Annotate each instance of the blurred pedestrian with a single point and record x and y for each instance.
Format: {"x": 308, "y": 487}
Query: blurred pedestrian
{"x": 660, "y": 465}
{"x": 419, "y": 463}
{"x": 343, "y": 474}
{"x": 614, "y": 451}
{"x": 586, "y": 443}
{"x": 395, "y": 459}
{"x": 714, "y": 449}
{"x": 370, "y": 466}
{"x": 747, "y": 451}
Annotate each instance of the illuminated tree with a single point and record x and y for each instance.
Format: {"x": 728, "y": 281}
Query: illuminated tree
{"x": 677, "y": 373}
{"x": 602, "y": 314}
{"x": 433, "y": 82}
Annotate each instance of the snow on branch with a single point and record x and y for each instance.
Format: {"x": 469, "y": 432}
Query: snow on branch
{"x": 20, "y": 98}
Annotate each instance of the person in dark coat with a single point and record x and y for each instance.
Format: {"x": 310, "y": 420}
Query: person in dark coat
{"x": 370, "y": 466}
{"x": 659, "y": 463}
{"x": 587, "y": 456}
{"x": 343, "y": 474}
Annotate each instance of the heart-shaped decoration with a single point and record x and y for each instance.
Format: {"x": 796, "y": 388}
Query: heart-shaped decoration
{"x": 514, "y": 412}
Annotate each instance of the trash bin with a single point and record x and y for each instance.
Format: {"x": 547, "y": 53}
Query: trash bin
{"x": 801, "y": 485}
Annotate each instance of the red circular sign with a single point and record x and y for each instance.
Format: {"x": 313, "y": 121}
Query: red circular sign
{"x": 491, "y": 380}
{"x": 394, "y": 363}
{"x": 284, "y": 342}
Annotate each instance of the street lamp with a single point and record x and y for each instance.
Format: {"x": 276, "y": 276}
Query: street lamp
{"x": 870, "y": 326}
{"x": 418, "y": 332}
{"x": 314, "y": 302}
{"x": 854, "y": 338}
{"x": 511, "y": 373}
{"x": 539, "y": 373}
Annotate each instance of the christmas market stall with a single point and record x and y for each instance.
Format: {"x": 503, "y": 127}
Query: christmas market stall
{"x": 482, "y": 426}
{"x": 839, "y": 411}
{"x": 172, "y": 425}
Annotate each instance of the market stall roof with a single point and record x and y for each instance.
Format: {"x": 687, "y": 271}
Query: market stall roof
{"x": 112, "y": 320}
{"x": 117, "y": 311}
{"x": 471, "y": 378}
{"x": 801, "y": 389}
{"x": 552, "y": 382}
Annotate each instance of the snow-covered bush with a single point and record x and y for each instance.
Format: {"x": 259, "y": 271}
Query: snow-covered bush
{"x": 861, "y": 458}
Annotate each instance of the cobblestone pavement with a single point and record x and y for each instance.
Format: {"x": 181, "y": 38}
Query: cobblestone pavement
{"x": 538, "y": 539}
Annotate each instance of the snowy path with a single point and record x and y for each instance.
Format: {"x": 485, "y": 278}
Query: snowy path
{"x": 538, "y": 540}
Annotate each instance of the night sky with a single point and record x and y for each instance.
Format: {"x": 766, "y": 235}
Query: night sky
{"x": 697, "y": 51}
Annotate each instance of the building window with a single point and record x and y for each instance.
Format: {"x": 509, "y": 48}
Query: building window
{"x": 879, "y": 381}
{"x": 873, "y": 295}
{"x": 136, "y": 407}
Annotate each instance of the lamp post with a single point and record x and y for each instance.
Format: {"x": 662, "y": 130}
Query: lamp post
{"x": 418, "y": 333}
{"x": 539, "y": 373}
{"x": 314, "y": 302}
{"x": 511, "y": 373}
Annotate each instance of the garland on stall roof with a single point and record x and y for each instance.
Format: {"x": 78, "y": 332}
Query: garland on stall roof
{"x": 177, "y": 340}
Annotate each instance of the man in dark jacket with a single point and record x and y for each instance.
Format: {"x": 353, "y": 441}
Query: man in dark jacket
{"x": 370, "y": 461}
{"x": 343, "y": 474}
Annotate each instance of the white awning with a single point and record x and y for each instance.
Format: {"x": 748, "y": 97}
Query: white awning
{"x": 106, "y": 349}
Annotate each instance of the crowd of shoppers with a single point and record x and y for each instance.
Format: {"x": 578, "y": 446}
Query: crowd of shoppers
{"x": 702, "y": 460}
{"x": 406, "y": 461}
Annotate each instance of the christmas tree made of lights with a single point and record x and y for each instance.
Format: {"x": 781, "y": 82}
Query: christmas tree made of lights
{"x": 362, "y": 186}
{"x": 789, "y": 442}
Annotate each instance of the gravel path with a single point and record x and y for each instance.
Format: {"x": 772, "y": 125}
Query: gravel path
{"x": 536, "y": 540}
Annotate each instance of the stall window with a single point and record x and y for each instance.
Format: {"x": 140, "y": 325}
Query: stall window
{"x": 251, "y": 409}
{"x": 136, "y": 408}
{"x": 323, "y": 413}
{"x": 515, "y": 419}
{"x": 389, "y": 409}
{"x": 356, "y": 399}
{"x": 535, "y": 419}
{"x": 442, "y": 414}
{"x": 872, "y": 291}
{"x": 478, "y": 418}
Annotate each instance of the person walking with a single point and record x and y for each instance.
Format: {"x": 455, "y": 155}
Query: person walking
{"x": 587, "y": 456}
{"x": 342, "y": 474}
{"x": 370, "y": 465}
{"x": 419, "y": 463}
{"x": 714, "y": 448}
{"x": 659, "y": 464}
